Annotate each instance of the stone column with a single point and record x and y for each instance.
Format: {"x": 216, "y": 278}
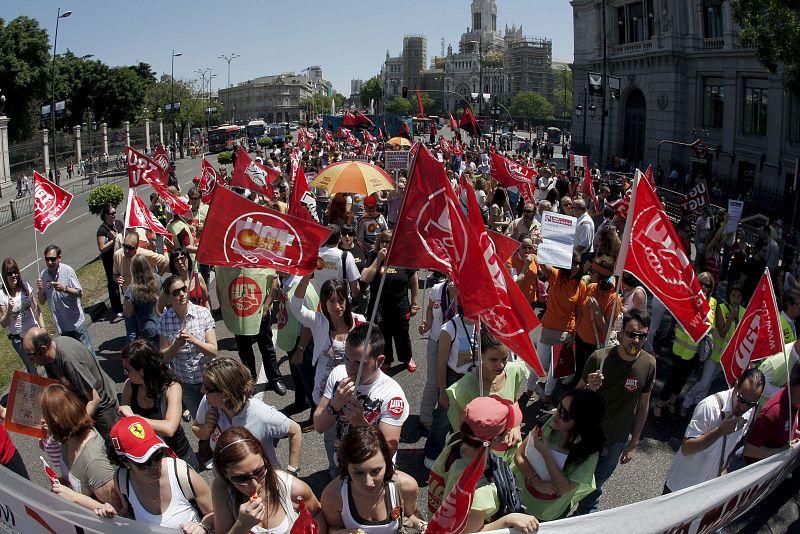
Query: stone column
{"x": 161, "y": 132}
{"x": 126, "y": 126}
{"x": 5, "y": 168}
{"x": 104, "y": 126}
{"x": 46, "y": 152}
{"x": 147, "y": 135}
{"x": 77, "y": 136}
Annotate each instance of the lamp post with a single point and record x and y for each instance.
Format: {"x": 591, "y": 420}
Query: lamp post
{"x": 60, "y": 16}
{"x": 202, "y": 73}
{"x": 172, "y": 98}
{"x": 229, "y": 58}
{"x": 583, "y": 110}
{"x": 605, "y": 89}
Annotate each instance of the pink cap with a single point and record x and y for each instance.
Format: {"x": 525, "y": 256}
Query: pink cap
{"x": 488, "y": 417}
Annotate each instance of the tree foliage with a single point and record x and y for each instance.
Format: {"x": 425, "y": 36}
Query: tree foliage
{"x": 397, "y": 105}
{"x": 24, "y": 74}
{"x": 773, "y": 27}
{"x": 372, "y": 89}
{"x": 531, "y": 106}
{"x": 104, "y": 195}
{"x": 562, "y": 93}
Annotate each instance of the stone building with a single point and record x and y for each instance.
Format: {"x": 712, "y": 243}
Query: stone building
{"x": 273, "y": 98}
{"x": 685, "y": 75}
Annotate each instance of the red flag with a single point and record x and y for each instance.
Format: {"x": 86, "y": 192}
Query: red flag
{"x": 696, "y": 198}
{"x": 433, "y": 128}
{"x": 468, "y": 123}
{"x": 176, "y": 205}
{"x": 137, "y": 214}
{"x": 302, "y": 203}
{"x": 587, "y": 188}
{"x": 577, "y": 161}
{"x": 445, "y": 145}
{"x": 622, "y": 205}
{"x": 50, "y": 202}
{"x": 457, "y": 148}
{"x": 648, "y": 175}
{"x": 510, "y": 174}
{"x": 305, "y": 523}
{"x": 162, "y": 160}
{"x": 241, "y": 233}
{"x": 209, "y": 179}
{"x": 652, "y": 252}
{"x": 451, "y": 516}
{"x": 504, "y": 246}
{"x": 251, "y": 175}
{"x": 405, "y": 131}
{"x": 419, "y": 104}
{"x": 368, "y": 137}
{"x": 453, "y": 123}
{"x": 434, "y": 233}
{"x": 511, "y": 319}
{"x": 142, "y": 170}
{"x": 757, "y": 336}
{"x": 329, "y": 137}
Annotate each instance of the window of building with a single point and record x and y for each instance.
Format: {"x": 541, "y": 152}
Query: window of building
{"x": 712, "y": 18}
{"x": 794, "y": 119}
{"x": 476, "y": 21}
{"x": 756, "y": 101}
{"x": 635, "y": 22}
{"x": 713, "y": 102}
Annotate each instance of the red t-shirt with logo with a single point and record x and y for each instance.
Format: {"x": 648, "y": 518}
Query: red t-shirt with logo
{"x": 7, "y": 448}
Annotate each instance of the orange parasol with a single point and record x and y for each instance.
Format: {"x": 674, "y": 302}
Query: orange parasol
{"x": 399, "y": 141}
{"x": 353, "y": 177}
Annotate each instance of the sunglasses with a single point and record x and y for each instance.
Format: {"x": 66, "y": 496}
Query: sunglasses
{"x": 528, "y": 211}
{"x": 129, "y": 247}
{"x": 12, "y": 273}
{"x": 50, "y": 259}
{"x": 746, "y": 402}
{"x": 154, "y": 458}
{"x": 112, "y": 213}
{"x": 705, "y": 286}
{"x": 348, "y": 234}
{"x": 564, "y": 414}
{"x": 636, "y": 335}
{"x": 178, "y": 290}
{"x": 258, "y": 474}
{"x": 210, "y": 389}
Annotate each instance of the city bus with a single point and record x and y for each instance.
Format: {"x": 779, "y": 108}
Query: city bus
{"x": 222, "y": 137}
{"x": 256, "y": 129}
{"x": 554, "y": 135}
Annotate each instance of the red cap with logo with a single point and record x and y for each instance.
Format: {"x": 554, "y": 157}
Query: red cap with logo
{"x": 134, "y": 438}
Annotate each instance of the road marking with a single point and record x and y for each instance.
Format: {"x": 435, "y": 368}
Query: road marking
{"x": 29, "y": 265}
{"x": 78, "y": 217}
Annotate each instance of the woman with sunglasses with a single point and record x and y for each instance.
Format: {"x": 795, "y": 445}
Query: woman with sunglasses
{"x": 686, "y": 354}
{"x": 156, "y": 488}
{"x": 19, "y": 311}
{"x": 554, "y": 465}
{"x": 152, "y": 391}
{"x": 188, "y": 340}
{"x": 566, "y": 291}
{"x": 250, "y": 494}
{"x": 370, "y": 495}
{"x": 84, "y": 461}
{"x": 140, "y": 300}
{"x": 180, "y": 264}
{"x": 523, "y": 268}
{"x": 109, "y": 238}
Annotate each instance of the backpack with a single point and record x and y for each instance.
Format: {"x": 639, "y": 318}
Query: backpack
{"x": 508, "y": 494}
{"x": 184, "y": 483}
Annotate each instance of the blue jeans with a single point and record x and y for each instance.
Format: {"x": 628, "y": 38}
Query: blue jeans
{"x": 440, "y": 427}
{"x": 606, "y": 464}
{"x": 17, "y": 342}
{"x": 192, "y": 395}
{"x": 81, "y": 333}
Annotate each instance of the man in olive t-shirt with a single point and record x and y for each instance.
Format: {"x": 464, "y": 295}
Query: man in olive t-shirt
{"x": 624, "y": 377}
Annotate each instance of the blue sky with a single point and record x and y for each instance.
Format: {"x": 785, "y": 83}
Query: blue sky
{"x": 348, "y": 38}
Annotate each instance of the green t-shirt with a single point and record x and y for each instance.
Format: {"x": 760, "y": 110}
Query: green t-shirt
{"x": 242, "y": 292}
{"x": 623, "y": 382}
{"x": 288, "y": 325}
{"x": 467, "y": 389}
{"x": 550, "y": 507}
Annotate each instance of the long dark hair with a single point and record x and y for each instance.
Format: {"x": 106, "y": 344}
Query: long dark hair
{"x": 144, "y": 357}
{"x": 335, "y": 287}
{"x": 173, "y": 260}
{"x": 233, "y": 446}
{"x": 10, "y": 266}
{"x": 587, "y": 410}
{"x": 567, "y": 273}
{"x": 359, "y": 445}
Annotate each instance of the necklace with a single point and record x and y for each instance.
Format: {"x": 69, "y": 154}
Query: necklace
{"x": 266, "y": 501}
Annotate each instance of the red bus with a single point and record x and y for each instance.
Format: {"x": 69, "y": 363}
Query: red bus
{"x": 222, "y": 137}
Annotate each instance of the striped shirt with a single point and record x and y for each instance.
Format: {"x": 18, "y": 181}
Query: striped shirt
{"x": 189, "y": 363}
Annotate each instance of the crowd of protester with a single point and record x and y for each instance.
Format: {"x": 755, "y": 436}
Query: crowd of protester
{"x": 129, "y": 455}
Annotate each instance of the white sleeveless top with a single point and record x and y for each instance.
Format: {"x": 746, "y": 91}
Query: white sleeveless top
{"x": 179, "y": 511}
{"x": 285, "y": 480}
{"x": 351, "y": 523}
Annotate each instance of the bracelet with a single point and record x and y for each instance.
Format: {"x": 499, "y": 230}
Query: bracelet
{"x": 292, "y": 470}
{"x": 301, "y": 347}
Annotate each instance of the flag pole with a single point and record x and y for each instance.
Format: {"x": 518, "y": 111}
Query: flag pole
{"x": 479, "y": 356}
{"x": 785, "y": 359}
{"x": 422, "y": 308}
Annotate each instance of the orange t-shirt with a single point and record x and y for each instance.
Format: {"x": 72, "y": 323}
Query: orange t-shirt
{"x": 584, "y": 321}
{"x": 563, "y": 297}
{"x": 528, "y": 286}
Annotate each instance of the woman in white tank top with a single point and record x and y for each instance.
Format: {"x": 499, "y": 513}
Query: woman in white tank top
{"x": 370, "y": 494}
{"x": 251, "y": 496}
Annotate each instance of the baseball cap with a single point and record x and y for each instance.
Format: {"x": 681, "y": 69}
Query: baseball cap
{"x": 134, "y": 438}
{"x": 488, "y": 417}
{"x": 370, "y": 201}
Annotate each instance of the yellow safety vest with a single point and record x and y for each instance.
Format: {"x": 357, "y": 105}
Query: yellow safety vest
{"x": 788, "y": 332}
{"x": 683, "y": 346}
{"x": 721, "y": 342}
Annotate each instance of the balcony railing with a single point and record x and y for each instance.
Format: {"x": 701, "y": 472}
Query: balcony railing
{"x": 713, "y": 43}
{"x": 633, "y": 48}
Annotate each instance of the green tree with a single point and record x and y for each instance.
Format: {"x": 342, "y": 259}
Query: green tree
{"x": 562, "y": 93}
{"x": 773, "y": 26}
{"x": 428, "y": 103}
{"x": 316, "y": 104}
{"x": 339, "y": 99}
{"x": 531, "y": 106}
{"x": 372, "y": 89}
{"x": 397, "y": 105}
{"x": 24, "y": 74}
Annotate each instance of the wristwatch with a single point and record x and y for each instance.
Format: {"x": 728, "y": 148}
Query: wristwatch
{"x": 331, "y": 411}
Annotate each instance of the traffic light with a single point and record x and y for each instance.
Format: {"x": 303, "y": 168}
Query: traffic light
{"x": 405, "y": 92}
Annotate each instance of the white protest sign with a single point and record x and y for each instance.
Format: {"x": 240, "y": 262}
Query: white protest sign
{"x": 735, "y": 209}
{"x": 558, "y": 238}
{"x": 396, "y": 160}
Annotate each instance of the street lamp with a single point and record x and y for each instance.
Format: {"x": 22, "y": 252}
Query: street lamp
{"x": 172, "y": 103}
{"x": 229, "y": 58}
{"x": 60, "y": 15}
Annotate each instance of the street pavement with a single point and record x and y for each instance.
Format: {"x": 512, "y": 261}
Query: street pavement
{"x": 641, "y": 479}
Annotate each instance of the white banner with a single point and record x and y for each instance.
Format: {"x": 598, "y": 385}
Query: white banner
{"x": 26, "y": 508}
{"x": 735, "y": 209}
{"x": 396, "y": 160}
{"x": 700, "y": 509}
{"x": 558, "y": 238}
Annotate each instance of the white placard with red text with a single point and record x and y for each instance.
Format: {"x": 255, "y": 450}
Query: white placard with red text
{"x": 558, "y": 238}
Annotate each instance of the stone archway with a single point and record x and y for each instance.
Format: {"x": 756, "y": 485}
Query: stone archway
{"x": 634, "y": 126}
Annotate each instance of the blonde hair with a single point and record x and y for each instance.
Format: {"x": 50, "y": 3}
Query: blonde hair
{"x": 144, "y": 285}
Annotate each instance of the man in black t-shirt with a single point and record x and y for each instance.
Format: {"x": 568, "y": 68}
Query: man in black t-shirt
{"x": 752, "y": 270}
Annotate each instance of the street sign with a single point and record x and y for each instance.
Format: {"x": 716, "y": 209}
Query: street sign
{"x": 396, "y": 160}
